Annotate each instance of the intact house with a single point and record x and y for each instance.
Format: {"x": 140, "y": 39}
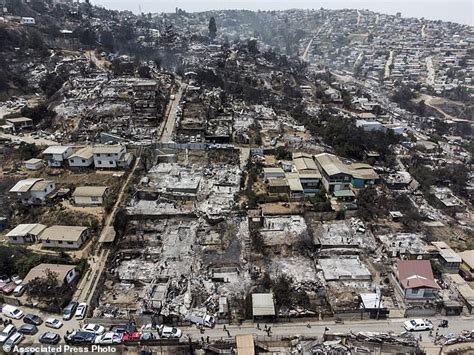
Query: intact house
{"x": 415, "y": 280}
{"x": 467, "y": 265}
{"x": 309, "y": 175}
{"x": 67, "y": 237}
{"x": 112, "y": 156}
{"x": 25, "y": 233}
{"x": 448, "y": 259}
{"x": 56, "y": 156}
{"x": 32, "y": 191}
{"x": 89, "y": 195}
{"x": 83, "y": 158}
{"x": 19, "y": 123}
{"x": 335, "y": 175}
{"x": 33, "y": 164}
{"x": 66, "y": 274}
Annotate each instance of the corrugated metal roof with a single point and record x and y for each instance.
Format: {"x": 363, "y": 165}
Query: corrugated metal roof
{"x": 263, "y": 304}
{"x": 83, "y": 153}
{"x": 89, "y": 191}
{"x": 56, "y": 149}
{"x": 24, "y": 229}
{"x": 64, "y": 233}
{"x": 24, "y": 185}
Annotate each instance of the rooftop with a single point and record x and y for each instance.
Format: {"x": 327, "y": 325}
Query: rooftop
{"x": 263, "y": 304}
{"x": 89, "y": 191}
{"x": 22, "y": 230}
{"x": 344, "y": 268}
{"x": 415, "y": 274}
{"x": 56, "y": 149}
{"x": 24, "y": 185}
{"x": 40, "y": 271}
{"x": 63, "y": 233}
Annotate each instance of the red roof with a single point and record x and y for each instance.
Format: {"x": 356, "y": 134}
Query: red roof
{"x": 416, "y": 274}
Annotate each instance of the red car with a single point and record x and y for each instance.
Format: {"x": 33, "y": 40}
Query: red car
{"x": 131, "y": 336}
{"x": 7, "y": 289}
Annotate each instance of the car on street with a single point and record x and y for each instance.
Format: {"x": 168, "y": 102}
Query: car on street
{"x": 53, "y": 323}
{"x": 12, "y": 312}
{"x": 32, "y": 319}
{"x": 170, "y": 332}
{"x": 17, "y": 280}
{"x": 49, "y": 338}
{"x": 131, "y": 336}
{"x": 28, "y": 329}
{"x": 15, "y": 339}
{"x": 79, "y": 337}
{"x": 81, "y": 311}
{"x": 19, "y": 290}
{"x": 123, "y": 328}
{"x": 70, "y": 310}
{"x": 8, "y": 288}
{"x": 147, "y": 336}
{"x": 94, "y": 328}
{"x": 7, "y": 333}
{"x": 415, "y": 325}
{"x": 108, "y": 338}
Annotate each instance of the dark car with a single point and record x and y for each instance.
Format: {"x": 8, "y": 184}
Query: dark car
{"x": 70, "y": 310}
{"x": 28, "y": 329}
{"x": 79, "y": 337}
{"x": 124, "y": 328}
{"x": 49, "y": 338}
{"x": 32, "y": 319}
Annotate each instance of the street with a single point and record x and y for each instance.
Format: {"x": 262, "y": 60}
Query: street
{"x": 456, "y": 325}
{"x": 167, "y": 128}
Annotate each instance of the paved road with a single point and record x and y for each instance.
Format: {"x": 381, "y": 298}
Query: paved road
{"x": 317, "y": 328}
{"x": 98, "y": 261}
{"x": 168, "y": 125}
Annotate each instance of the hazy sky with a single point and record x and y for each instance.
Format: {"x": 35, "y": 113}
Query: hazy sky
{"x": 448, "y": 10}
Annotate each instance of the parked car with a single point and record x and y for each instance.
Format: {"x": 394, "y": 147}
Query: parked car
{"x": 81, "y": 311}
{"x": 19, "y": 290}
{"x": 49, "y": 338}
{"x": 94, "y": 328}
{"x": 17, "y": 279}
{"x": 32, "y": 319}
{"x": 8, "y": 288}
{"x": 53, "y": 323}
{"x": 131, "y": 336}
{"x": 5, "y": 279}
{"x": 79, "y": 337}
{"x": 108, "y": 338}
{"x": 123, "y": 328}
{"x": 15, "y": 339}
{"x": 169, "y": 332}
{"x": 414, "y": 325}
{"x": 28, "y": 329}
{"x": 7, "y": 333}
{"x": 147, "y": 336}
{"x": 12, "y": 312}
{"x": 70, "y": 310}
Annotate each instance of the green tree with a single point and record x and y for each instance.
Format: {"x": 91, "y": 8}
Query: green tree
{"x": 212, "y": 27}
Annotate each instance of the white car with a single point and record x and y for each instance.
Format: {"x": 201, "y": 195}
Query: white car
{"x": 169, "y": 332}
{"x": 94, "y": 328}
{"x": 15, "y": 339}
{"x": 81, "y": 311}
{"x": 7, "y": 333}
{"x": 414, "y": 325}
{"x": 53, "y": 323}
{"x": 108, "y": 338}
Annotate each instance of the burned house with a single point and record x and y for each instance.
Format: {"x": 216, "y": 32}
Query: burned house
{"x": 145, "y": 97}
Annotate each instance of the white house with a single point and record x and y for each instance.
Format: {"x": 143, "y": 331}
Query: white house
{"x": 112, "y": 156}
{"x": 25, "y": 233}
{"x": 89, "y": 195}
{"x": 27, "y": 21}
{"x": 68, "y": 237}
{"x": 32, "y": 191}
{"x": 19, "y": 123}
{"x": 57, "y": 155}
{"x": 33, "y": 164}
{"x": 83, "y": 158}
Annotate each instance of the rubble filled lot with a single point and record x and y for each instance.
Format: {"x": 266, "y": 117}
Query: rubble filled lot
{"x": 170, "y": 265}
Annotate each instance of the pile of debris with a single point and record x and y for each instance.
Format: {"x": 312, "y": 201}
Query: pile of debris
{"x": 452, "y": 338}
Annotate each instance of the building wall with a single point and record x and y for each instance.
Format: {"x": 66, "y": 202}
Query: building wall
{"x": 88, "y": 200}
{"x": 80, "y": 162}
{"x": 42, "y": 194}
{"x": 420, "y": 293}
{"x": 35, "y": 166}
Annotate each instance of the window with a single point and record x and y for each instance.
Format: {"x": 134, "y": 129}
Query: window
{"x": 83, "y": 161}
{"x": 48, "y": 241}
{"x": 94, "y": 199}
{"x": 108, "y": 155}
{"x": 14, "y": 238}
{"x": 100, "y": 162}
{"x": 70, "y": 243}
{"x": 111, "y": 162}
{"x": 414, "y": 291}
{"x": 60, "y": 242}
{"x": 71, "y": 161}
